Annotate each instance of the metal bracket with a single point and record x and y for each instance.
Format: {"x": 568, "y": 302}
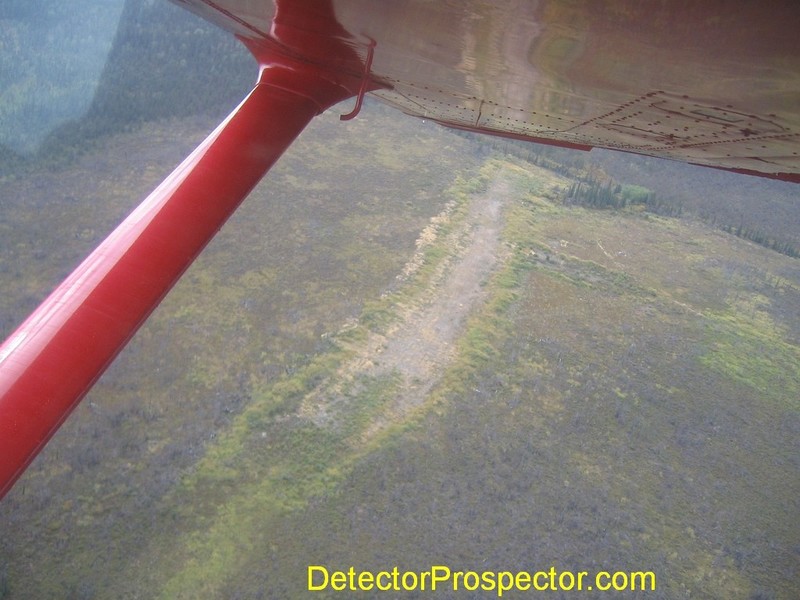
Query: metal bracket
{"x": 364, "y": 82}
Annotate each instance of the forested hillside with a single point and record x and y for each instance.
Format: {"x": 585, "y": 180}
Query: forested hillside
{"x": 408, "y": 348}
{"x": 148, "y": 61}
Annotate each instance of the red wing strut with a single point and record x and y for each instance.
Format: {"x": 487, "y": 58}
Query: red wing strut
{"x": 51, "y": 361}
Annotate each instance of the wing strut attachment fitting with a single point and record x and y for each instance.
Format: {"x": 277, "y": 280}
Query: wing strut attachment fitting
{"x": 364, "y": 83}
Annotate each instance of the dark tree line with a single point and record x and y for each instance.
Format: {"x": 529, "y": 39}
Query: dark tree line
{"x": 594, "y": 188}
{"x": 762, "y": 239}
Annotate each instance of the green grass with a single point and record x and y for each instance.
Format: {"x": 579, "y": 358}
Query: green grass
{"x": 624, "y": 398}
{"x": 582, "y": 404}
{"x": 745, "y": 345}
{"x": 567, "y": 405}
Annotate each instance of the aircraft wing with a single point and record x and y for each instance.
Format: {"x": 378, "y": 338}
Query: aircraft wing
{"x": 713, "y": 83}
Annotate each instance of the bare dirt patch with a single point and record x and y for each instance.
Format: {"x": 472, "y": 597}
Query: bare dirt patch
{"x": 419, "y": 345}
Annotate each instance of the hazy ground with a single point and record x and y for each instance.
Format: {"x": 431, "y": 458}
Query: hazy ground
{"x": 399, "y": 354}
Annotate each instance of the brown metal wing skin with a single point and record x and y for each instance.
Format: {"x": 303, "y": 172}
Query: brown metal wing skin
{"x": 714, "y": 83}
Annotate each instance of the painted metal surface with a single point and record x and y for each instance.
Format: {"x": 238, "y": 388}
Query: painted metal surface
{"x": 56, "y": 355}
{"x": 715, "y": 83}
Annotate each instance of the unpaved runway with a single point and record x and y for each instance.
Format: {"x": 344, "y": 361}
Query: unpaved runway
{"x": 418, "y": 347}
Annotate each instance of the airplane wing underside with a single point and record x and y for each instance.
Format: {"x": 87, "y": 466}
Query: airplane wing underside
{"x": 712, "y": 83}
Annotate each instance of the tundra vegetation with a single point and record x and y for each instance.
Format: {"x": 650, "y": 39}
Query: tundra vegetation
{"x": 623, "y": 393}
{"x": 619, "y": 390}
